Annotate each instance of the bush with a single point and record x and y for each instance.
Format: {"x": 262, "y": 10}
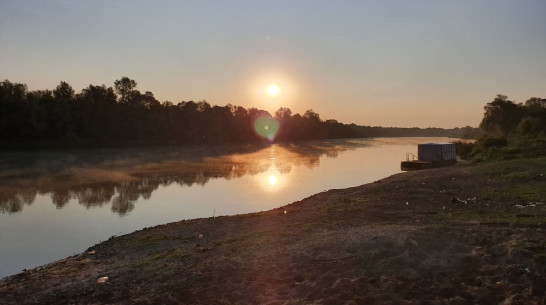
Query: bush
{"x": 530, "y": 127}
{"x": 465, "y": 150}
{"x": 487, "y": 142}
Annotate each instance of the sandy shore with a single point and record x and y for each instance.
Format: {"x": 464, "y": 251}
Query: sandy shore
{"x": 467, "y": 234}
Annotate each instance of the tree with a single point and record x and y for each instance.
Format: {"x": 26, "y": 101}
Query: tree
{"x": 536, "y": 102}
{"x": 468, "y": 132}
{"x": 98, "y": 95}
{"x": 283, "y": 114}
{"x": 203, "y": 106}
{"x": 530, "y": 126}
{"x": 501, "y": 116}
{"x": 12, "y": 92}
{"x": 536, "y": 107}
{"x": 13, "y": 109}
{"x": 125, "y": 87}
{"x": 60, "y": 118}
{"x": 148, "y": 100}
{"x": 63, "y": 92}
{"x": 311, "y": 115}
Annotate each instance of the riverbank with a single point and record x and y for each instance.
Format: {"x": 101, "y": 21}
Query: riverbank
{"x": 467, "y": 234}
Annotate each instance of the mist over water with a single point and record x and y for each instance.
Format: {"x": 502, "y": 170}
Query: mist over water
{"x": 55, "y": 204}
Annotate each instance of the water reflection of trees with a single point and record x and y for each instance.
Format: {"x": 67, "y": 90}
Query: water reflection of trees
{"x": 121, "y": 184}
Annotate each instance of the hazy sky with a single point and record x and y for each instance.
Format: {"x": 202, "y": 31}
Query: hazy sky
{"x": 389, "y": 63}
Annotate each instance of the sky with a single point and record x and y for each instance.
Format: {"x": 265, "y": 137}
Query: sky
{"x": 379, "y": 63}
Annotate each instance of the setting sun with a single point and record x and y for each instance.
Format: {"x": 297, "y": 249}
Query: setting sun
{"x": 273, "y": 90}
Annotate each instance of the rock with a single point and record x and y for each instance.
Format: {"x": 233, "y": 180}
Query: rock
{"x": 413, "y": 242}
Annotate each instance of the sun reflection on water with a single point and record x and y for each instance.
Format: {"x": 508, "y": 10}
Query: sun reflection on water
{"x": 272, "y": 180}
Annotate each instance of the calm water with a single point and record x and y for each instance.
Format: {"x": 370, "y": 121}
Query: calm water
{"x": 54, "y": 204}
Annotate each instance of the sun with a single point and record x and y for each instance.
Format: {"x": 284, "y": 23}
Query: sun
{"x": 273, "y": 90}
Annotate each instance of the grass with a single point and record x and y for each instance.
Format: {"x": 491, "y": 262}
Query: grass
{"x": 506, "y": 192}
{"x": 511, "y": 149}
{"x": 541, "y": 257}
{"x": 522, "y": 179}
{"x": 307, "y": 227}
{"x": 249, "y": 239}
{"x": 540, "y": 247}
{"x": 511, "y": 217}
{"x": 346, "y": 205}
{"x": 164, "y": 260}
{"x": 523, "y": 167}
{"x": 530, "y": 192}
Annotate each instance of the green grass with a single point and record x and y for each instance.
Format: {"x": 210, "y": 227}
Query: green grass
{"x": 516, "y": 148}
{"x": 541, "y": 257}
{"x": 511, "y": 217}
{"x": 527, "y": 167}
{"x": 521, "y": 179}
{"x": 530, "y": 192}
{"x": 163, "y": 260}
{"x": 249, "y": 239}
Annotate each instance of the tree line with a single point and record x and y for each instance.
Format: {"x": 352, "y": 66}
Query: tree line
{"x": 122, "y": 115}
{"x": 509, "y": 130}
{"x": 504, "y": 118}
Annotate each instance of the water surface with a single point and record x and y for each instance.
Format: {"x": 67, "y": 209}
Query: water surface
{"x": 55, "y": 204}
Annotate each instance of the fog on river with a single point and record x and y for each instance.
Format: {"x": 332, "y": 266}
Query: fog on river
{"x": 55, "y": 204}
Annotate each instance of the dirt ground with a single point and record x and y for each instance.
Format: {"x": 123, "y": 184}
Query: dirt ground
{"x": 467, "y": 234}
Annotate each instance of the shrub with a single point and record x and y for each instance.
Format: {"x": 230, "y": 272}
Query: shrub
{"x": 487, "y": 142}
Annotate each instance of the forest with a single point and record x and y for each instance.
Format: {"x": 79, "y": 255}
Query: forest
{"x": 509, "y": 130}
{"x": 122, "y": 115}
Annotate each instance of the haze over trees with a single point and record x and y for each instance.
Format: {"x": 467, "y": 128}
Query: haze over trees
{"x": 122, "y": 115}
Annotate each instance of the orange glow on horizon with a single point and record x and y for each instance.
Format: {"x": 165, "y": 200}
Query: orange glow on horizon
{"x": 272, "y": 90}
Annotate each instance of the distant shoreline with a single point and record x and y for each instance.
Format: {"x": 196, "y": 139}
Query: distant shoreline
{"x": 92, "y": 145}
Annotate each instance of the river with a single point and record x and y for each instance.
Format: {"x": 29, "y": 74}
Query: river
{"x": 55, "y": 204}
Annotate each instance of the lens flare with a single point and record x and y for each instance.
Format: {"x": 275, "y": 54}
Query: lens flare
{"x": 266, "y": 127}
